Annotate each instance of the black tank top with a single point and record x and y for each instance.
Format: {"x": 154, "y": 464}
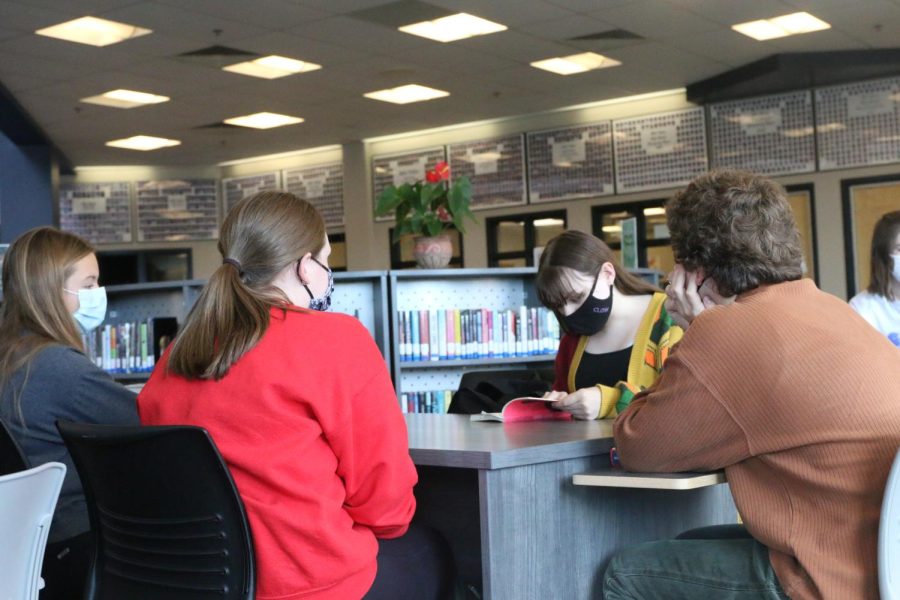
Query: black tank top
{"x": 608, "y": 369}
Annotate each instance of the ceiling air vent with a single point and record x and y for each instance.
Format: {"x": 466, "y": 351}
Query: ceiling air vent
{"x": 612, "y": 34}
{"x": 216, "y": 56}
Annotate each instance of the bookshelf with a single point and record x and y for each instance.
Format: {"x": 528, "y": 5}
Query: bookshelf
{"x": 132, "y": 303}
{"x": 362, "y": 294}
{"x": 506, "y": 289}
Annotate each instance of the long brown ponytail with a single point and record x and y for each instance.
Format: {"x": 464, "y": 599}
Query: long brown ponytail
{"x": 261, "y": 235}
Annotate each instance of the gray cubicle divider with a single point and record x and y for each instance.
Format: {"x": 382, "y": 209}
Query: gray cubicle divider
{"x": 362, "y": 293}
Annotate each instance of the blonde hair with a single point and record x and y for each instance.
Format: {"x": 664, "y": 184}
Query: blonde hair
{"x": 261, "y": 235}
{"x": 34, "y": 315}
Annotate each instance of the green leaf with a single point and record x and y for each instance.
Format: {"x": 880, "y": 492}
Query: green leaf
{"x": 433, "y": 225}
{"x": 387, "y": 201}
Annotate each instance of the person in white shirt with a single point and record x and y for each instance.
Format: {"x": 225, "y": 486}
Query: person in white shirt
{"x": 879, "y": 304}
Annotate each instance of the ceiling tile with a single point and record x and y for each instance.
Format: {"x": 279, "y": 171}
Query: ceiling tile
{"x": 176, "y": 21}
{"x": 342, "y": 6}
{"x": 360, "y": 35}
{"x": 299, "y": 47}
{"x": 521, "y": 47}
{"x": 511, "y": 13}
{"x": 655, "y": 19}
{"x": 25, "y": 18}
{"x": 488, "y": 76}
{"x": 270, "y": 14}
{"x": 731, "y": 12}
{"x": 567, "y": 28}
{"x": 588, "y": 5}
{"x": 724, "y": 45}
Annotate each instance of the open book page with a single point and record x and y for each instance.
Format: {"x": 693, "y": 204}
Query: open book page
{"x": 524, "y": 409}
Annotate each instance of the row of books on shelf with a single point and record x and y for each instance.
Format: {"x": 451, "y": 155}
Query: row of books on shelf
{"x": 129, "y": 346}
{"x": 434, "y": 401}
{"x": 453, "y": 333}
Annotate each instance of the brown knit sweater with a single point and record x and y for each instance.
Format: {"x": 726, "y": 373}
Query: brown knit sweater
{"x": 798, "y": 399}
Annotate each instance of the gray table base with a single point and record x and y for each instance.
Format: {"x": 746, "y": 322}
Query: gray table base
{"x": 527, "y": 532}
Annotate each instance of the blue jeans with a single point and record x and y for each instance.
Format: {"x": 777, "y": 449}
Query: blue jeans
{"x": 701, "y": 564}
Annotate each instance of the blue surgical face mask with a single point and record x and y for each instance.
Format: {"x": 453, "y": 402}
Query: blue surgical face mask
{"x": 896, "y": 270}
{"x": 323, "y": 302}
{"x": 91, "y": 307}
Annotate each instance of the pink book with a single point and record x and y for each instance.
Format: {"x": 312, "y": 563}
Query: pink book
{"x": 524, "y": 409}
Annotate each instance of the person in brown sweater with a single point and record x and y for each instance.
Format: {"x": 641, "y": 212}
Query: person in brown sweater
{"x": 781, "y": 385}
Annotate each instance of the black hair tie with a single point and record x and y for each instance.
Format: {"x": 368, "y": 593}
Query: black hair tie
{"x": 234, "y": 263}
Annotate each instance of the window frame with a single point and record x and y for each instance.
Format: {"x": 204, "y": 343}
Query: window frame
{"x": 491, "y": 225}
{"x": 847, "y": 225}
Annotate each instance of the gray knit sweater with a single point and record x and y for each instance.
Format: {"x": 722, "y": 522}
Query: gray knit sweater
{"x": 63, "y": 384}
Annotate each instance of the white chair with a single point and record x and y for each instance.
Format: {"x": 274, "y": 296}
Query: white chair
{"x": 27, "y": 501}
{"x": 889, "y": 536}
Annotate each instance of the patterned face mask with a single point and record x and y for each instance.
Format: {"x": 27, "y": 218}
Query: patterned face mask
{"x": 323, "y": 302}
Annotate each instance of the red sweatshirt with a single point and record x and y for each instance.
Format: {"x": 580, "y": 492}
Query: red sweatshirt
{"x": 309, "y": 424}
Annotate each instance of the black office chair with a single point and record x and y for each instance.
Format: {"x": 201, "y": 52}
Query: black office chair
{"x": 169, "y": 521}
{"x": 12, "y": 459}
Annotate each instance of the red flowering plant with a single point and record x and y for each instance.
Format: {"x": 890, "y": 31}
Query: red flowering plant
{"x": 428, "y": 207}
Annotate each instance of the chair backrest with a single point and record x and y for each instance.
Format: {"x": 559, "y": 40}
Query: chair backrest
{"x": 470, "y": 379}
{"x": 12, "y": 459}
{"x": 889, "y": 536}
{"x": 169, "y": 522}
{"x": 27, "y": 501}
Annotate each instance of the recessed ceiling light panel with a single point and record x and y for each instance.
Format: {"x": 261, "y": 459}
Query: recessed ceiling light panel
{"x": 452, "y": 28}
{"x": 143, "y": 142}
{"x": 783, "y": 26}
{"x": 125, "y": 99}
{"x": 576, "y": 63}
{"x": 263, "y": 120}
{"x": 272, "y": 67}
{"x": 406, "y": 94}
{"x": 93, "y": 31}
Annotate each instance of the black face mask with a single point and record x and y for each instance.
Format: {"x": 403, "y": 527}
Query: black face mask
{"x": 591, "y": 316}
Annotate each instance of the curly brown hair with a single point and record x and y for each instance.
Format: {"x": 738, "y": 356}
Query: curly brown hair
{"x": 738, "y": 227}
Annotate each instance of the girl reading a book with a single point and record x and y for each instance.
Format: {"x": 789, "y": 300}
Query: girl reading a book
{"x": 51, "y": 295}
{"x": 617, "y": 331}
{"x": 301, "y": 406}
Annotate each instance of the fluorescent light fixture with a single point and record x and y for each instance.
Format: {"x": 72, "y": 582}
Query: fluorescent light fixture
{"x": 143, "y": 142}
{"x": 612, "y": 229}
{"x": 454, "y": 27}
{"x": 406, "y": 94}
{"x": 272, "y": 67}
{"x": 93, "y": 31}
{"x": 654, "y": 212}
{"x": 548, "y": 223}
{"x": 125, "y": 99}
{"x": 263, "y": 120}
{"x": 785, "y": 25}
{"x": 575, "y": 63}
